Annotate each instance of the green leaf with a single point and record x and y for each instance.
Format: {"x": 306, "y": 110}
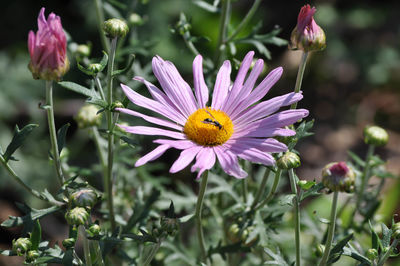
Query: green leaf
{"x": 232, "y": 248}
{"x": 84, "y": 70}
{"x": 99, "y": 102}
{"x": 351, "y": 252}
{"x": 356, "y": 159}
{"x": 68, "y": 258}
{"x": 206, "y": 6}
{"x": 375, "y": 241}
{"x": 386, "y": 235}
{"x": 79, "y": 89}
{"x": 61, "y": 134}
{"x": 186, "y": 218}
{"x": 36, "y": 235}
{"x": 8, "y": 252}
{"x": 143, "y": 238}
{"x": 18, "y": 139}
{"x": 313, "y": 191}
{"x": 337, "y": 250}
{"x": 306, "y": 185}
{"x": 287, "y": 199}
{"x": 104, "y": 61}
{"x": 34, "y": 214}
{"x": 277, "y": 258}
{"x": 127, "y": 68}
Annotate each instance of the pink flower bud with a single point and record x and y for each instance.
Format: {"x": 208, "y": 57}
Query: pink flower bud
{"x": 48, "y": 49}
{"x": 307, "y": 35}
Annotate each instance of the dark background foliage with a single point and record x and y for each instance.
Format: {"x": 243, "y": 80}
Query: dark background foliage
{"x": 354, "y": 82}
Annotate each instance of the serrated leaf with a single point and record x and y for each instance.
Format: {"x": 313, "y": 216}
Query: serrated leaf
{"x": 61, "y": 134}
{"x": 72, "y": 86}
{"x": 127, "y": 68}
{"x": 18, "y": 139}
{"x": 36, "y": 235}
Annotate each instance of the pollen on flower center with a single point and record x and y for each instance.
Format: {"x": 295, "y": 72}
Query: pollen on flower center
{"x": 208, "y": 127}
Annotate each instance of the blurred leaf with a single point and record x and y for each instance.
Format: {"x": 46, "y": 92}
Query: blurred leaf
{"x": 68, "y": 258}
{"x": 79, "y": 89}
{"x": 127, "y": 68}
{"x": 277, "y": 258}
{"x": 231, "y": 248}
{"x": 386, "y": 235}
{"x": 61, "y": 134}
{"x": 351, "y": 252}
{"x": 287, "y": 199}
{"x": 186, "y": 218}
{"x": 206, "y": 6}
{"x": 307, "y": 185}
{"x": 8, "y": 252}
{"x": 221, "y": 186}
{"x": 34, "y": 214}
{"x": 337, "y": 250}
{"x": 112, "y": 11}
{"x": 356, "y": 159}
{"x": 18, "y": 139}
{"x": 143, "y": 238}
{"x": 36, "y": 235}
{"x": 375, "y": 241}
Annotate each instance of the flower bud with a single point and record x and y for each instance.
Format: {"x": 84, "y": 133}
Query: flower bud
{"x": 115, "y": 28}
{"x": 116, "y": 104}
{"x": 95, "y": 68}
{"x": 48, "y": 49}
{"x": 88, "y": 117}
{"x": 319, "y": 250}
{"x": 77, "y": 216}
{"x": 372, "y": 254}
{"x": 69, "y": 243}
{"x": 135, "y": 19}
{"x": 83, "y": 50}
{"x": 374, "y": 135}
{"x": 338, "y": 177}
{"x": 21, "y": 245}
{"x": 94, "y": 230}
{"x": 396, "y": 230}
{"x": 169, "y": 225}
{"x": 31, "y": 256}
{"x": 307, "y": 35}
{"x": 288, "y": 161}
{"x": 84, "y": 198}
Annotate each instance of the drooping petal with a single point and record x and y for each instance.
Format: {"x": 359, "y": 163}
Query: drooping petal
{"x": 205, "y": 160}
{"x": 153, "y": 131}
{"x": 154, "y": 154}
{"x": 266, "y": 108}
{"x": 154, "y": 120}
{"x": 200, "y": 87}
{"x": 150, "y": 104}
{"x": 229, "y": 162}
{"x": 185, "y": 158}
{"x": 221, "y": 85}
{"x": 259, "y": 92}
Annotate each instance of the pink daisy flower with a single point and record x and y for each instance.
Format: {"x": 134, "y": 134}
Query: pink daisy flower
{"x": 235, "y": 125}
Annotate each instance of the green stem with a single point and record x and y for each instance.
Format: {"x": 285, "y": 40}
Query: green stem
{"x": 331, "y": 230}
{"x": 271, "y": 194}
{"x": 100, "y": 20}
{"x": 364, "y": 177}
{"x": 110, "y": 123}
{"x": 86, "y": 249}
{"x": 19, "y": 180}
{"x": 296, "y": 215}
{"x": 52, "y": 130}
{"x": 198, "y": 214}
{"x": 300, "y": 75}
{"x": 387, "y": 254}
{"x": 244, "y": 190}
{"x": 246, "y": 20}
{"x": 152, "y": 253}
{"x": 99, "y": 87}
{"x": 223, "y": 28}
{"x": 261, "y": 188}
{"x": 100, "y": 150}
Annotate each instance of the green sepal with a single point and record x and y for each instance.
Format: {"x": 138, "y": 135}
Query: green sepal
{"x": 127, "y": 68}
{"x": 17, "y": 140}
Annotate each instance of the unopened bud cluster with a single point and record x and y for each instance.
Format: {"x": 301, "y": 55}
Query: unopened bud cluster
{"x": 338, "y": 177}
{"x": 88, "y": 116}
{"x": 21, "y": 246}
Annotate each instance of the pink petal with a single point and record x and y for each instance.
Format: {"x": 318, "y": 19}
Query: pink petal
{"x": 200, "y": 87}
{"x": 176, "y": 144}
{"x": 154, "y": 120}
{"x": 241, "y": 75}
{"x": 263, "y": 144}
{"x": 229, "y": 162}
{"x": 264, "y": 133}
{"x": 205, "y": 160}
{"x": 221, "y": 85}
{"x": 252, "y": 154}
{"x": 154, "y": 154}
{"x": 185, "y": 158}
{"x": 153, "y": 131}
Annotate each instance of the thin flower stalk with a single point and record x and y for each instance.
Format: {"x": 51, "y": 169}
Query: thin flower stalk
{"x": 331, "y": 230}
{"x": 223, "y": 30}
{"x": 296, "y": 203}
{"x": 153, "y": 252}
{"x": 100, "y": 19}
{"x": 300, "y": 74}
{"x": 271, "y": 194}
{"x": 198, "y": 216}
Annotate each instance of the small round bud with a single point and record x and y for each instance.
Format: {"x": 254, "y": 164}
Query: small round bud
{"x": 169, "y": 225}
{"x": 83, "y": 50}
{"x": 288, "y": 161}
{"x": 117, "y": 104}
{"x": 77, "y": 216}
{"x": 319, "y": 250}
{"x": 88, "y": 117}
{"x": 372, "y": 253}
{"x": 307, "y": 35}
{"x": 69, "y": 243}
{"x": 84, "y": 198}
{"x": 94, "y": 230}
{"x": 21, "y": 245}
{"x": 338, "y": 177}
{"x": 374, "y": 135}
{"x": 115, "y": 28}
{"x": 135, "y": 19}
{"x": 31, "y": 256}
{"x": 396, "y": 230}
{"x": 95, "y": 68}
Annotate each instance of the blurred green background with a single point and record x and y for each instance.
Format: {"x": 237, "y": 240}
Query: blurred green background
{"x": 354, "y": 82}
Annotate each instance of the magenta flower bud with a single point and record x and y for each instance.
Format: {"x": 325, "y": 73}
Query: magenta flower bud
{"x": 48, "y": 49}
{"x": 307, "y": 35}
{"x": 338, "y": 177}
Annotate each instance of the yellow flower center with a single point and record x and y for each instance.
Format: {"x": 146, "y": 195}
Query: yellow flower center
{"x": 208, "y": 127}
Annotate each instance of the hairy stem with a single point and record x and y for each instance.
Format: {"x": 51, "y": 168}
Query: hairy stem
{"x": 300, "y": 75}
{"x": 331, "y": 230}
{"x": 198, "y": 214}
{"x": 296, "y": 204}
{"x": 52, "y": 131}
